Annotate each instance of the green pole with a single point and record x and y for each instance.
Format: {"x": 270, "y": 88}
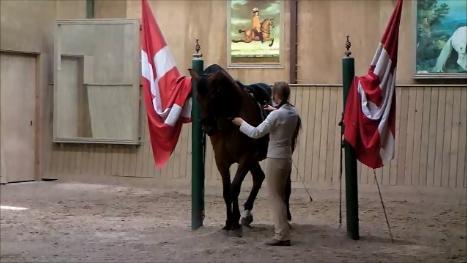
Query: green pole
{"x": 351, "y": 185}
{"x": 197, "y": 166}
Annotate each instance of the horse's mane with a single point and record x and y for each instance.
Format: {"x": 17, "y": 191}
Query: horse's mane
{"x": 264, "y": 21}
{"x": 225, "y": 92}
{"x": 212, "y": 69}
{"x": 261, "y": 91}
{"x": 203, "y": 80}
{"x": 228, "y": 98}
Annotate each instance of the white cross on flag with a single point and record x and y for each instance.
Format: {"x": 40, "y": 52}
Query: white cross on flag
{"x": 166, "y": 91}
{"x": 369, "y": 115}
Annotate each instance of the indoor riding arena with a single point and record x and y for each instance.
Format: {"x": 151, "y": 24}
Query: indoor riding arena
{"x": 114, "y": 146}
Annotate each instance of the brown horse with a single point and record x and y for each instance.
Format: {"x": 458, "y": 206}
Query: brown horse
{"x": 221, "y": 98}
{"x": 250, "y": 35}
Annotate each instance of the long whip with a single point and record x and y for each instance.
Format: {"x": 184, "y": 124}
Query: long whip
{"x": 303, "y": 183}
{"x": 384, "y": 208}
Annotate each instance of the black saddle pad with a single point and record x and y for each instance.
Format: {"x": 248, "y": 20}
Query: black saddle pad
{"x": 261, "y": 92}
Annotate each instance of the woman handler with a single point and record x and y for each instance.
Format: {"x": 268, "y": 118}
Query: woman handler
{"x": 282, "y": 124}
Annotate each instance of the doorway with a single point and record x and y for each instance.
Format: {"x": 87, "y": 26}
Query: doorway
{"x": 18, "y": 86}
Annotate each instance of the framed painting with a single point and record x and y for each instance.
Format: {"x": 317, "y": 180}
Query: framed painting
{"x": 441, "y": 39}
{"x": 255, "y": 33}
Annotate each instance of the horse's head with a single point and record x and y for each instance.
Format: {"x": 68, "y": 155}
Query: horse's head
{"x": 218, "y": 95}
{"x": 267, "y": 25}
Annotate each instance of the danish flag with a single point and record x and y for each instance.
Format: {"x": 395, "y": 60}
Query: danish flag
{"x": 369, "y": 115}
{"x": 166, "y": 91}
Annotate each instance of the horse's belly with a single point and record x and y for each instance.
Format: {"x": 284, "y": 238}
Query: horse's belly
{"x": 235, "y": 149}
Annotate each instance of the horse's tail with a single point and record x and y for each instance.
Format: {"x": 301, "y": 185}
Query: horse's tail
{"x": 295, "y": 133}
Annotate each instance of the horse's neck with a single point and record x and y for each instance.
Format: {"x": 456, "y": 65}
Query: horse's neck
{"x": 231, "y": 103}
{"x": 264, "y": 27}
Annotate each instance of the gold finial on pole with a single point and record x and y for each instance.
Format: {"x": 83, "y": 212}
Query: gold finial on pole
{"x": 197, "y": 53}
{"x": 347, "y": 47}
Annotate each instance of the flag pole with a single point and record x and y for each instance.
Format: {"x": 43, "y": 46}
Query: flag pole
{"x": 351, "y": 185}
{"x": 197, "y": 155}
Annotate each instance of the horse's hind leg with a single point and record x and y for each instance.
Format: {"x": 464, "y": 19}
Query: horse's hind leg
{"x": 288, "y": 191}
{"x": 258, "y": 178}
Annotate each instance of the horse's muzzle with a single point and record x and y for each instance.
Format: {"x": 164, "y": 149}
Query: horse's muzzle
{"x": 208, "y": 125}
{"x": 209, "y": 130}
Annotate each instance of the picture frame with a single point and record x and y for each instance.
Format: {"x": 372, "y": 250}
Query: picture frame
{"x": 255, "y": 34}
{"x": 91, "y": 95}
{"x": 440, "y": 31}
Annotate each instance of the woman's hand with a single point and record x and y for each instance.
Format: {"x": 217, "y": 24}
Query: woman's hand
{"x": 269, "y": 108}
{"x": 237, "y": 121}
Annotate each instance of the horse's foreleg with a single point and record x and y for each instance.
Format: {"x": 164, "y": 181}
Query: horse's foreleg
{"x": 235, "y": 191}
{"x": 272, "y": 42}
{"x": 225, "y": 173}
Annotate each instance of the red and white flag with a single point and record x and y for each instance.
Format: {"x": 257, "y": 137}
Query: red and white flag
{"x": 369, "y": 115}
{"x": 166, "y": 91}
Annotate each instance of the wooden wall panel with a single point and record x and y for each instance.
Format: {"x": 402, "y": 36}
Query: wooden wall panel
{"x": 424, "y": 145}
{"x": 462, "y": 157}
{"x": 430, "y": 144}
{"x": 337, "y": 138}
{"x": 299, "y": 156}
{"x": 432, "y": 135}
{"x": 454, "y": 149}
{"x": 308, "y": 133}
{"x": 440, "y": 137}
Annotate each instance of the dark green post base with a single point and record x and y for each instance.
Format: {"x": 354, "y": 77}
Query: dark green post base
{"x": 197, "y": 183}
{"x": 351, "y": 183}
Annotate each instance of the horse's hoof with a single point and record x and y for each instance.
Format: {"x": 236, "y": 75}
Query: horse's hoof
{"x": 227, "y": 228}
{"x": 246, "y": 220}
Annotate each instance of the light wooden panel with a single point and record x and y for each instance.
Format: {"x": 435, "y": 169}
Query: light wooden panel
{"x": 108, "y": 118}
{"x": 67, "y": 119}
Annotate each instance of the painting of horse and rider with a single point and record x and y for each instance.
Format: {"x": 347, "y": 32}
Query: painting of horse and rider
{"x": 254, "y": 32}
